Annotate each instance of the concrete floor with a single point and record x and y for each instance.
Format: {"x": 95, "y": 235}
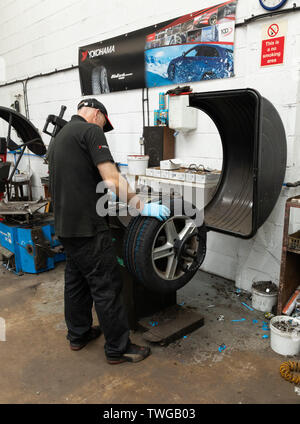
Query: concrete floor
{"x": 37, "y": 365}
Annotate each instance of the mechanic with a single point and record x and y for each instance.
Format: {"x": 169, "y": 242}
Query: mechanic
{"x": 79, "y": 158}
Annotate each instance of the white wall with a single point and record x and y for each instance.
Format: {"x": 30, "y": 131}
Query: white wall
{"x": 38, "y": 36}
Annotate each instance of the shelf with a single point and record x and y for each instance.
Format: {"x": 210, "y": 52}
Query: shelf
{"x": 293, "y": 251}
{"x": 295, "y": 202}
{"x": 290, "y": 264}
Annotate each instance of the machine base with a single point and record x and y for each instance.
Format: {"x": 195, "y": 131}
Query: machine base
{"x": 30, "y": 247}
{"x": 158, "y": 315}
{"x": 170, "y": 324}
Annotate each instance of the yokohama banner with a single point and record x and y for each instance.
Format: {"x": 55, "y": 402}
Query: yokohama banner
{"x": 193, "y": 47}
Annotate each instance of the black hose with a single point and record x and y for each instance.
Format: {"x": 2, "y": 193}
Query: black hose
{"x": 297, "y": 183}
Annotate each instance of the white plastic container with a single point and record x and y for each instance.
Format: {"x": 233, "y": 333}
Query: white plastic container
{"x": 22, "y": 177}
{"x": 283, "y": 342}
{"x": 181, "y": 116}
{"x": 263, "y": 301}
{"x": 137, "y": 164}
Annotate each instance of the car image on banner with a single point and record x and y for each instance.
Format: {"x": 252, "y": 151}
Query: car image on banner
{"x": 187, "y": 63}
{"x": 194, "y": 47}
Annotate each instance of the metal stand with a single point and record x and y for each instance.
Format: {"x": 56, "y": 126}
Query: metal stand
{"x": 157, "y": 315}
{"x": 145, "y": 99}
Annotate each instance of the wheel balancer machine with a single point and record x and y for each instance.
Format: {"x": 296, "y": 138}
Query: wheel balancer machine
{"x": 254, "y": 163}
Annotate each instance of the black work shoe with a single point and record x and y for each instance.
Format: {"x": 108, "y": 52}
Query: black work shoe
{"x": 93, "y": 334}
{"x": 134, "y": 353}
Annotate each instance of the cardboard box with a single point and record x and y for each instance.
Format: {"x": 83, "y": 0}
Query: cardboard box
{"x": 183, "y": 174}
{"x": 208, "y": 177}
{"x": 201, "y": 192}
{"x": 170, "y": 164}
{"x": 190, "y": 177}
{"x": 149, "y": 172}
{"x": 177, "y": 175}
{"x": 153, "y": 172}
{"x": 156, "y": 172}
{"x": 164, "y": 174}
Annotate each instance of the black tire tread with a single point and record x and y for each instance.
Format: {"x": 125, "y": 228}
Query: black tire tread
{"x": 127, "y": 241}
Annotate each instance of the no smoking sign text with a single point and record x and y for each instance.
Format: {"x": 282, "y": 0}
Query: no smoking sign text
{"x": 272, "y": 50}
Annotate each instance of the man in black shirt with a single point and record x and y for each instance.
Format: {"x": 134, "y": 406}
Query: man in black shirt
{"x": 79, "y": 158}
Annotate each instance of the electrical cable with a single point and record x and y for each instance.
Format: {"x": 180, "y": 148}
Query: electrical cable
{"x": 253, "y": 18}
{"x": 24, "y": 83}
{"x": 27, "y": 154}
{"x": 286, "y": 371}
{"x": 56, "y": 71}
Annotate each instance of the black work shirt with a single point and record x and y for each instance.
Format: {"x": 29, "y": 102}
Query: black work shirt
{"x": 73, "y": 157}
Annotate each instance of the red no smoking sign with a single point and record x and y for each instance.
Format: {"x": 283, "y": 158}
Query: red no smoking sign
{"x": 273, "y": 30}
{"x": 272, "y": 50}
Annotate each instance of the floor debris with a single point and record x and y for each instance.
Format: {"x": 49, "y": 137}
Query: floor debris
{"x": 196, "y": 359}
{"x": 247, "y": 306}
{"x": 289, "y": 326}
{"x": 222, "y": 347}
{"x": 265, "y": 287}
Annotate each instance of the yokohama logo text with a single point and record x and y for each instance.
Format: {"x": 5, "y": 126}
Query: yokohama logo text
{"x": 102, "y": 51}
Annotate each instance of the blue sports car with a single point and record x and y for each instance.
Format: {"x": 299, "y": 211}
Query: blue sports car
{"x": 202, "y": 62}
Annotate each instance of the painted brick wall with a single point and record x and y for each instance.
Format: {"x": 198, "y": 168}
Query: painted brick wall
{"x": 38, "y": 36}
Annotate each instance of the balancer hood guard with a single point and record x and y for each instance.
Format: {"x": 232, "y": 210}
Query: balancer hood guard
{"x": 254, "y": 159}
{"x": 25, "y": 130}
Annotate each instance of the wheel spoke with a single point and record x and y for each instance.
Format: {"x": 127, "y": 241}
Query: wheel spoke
{"x": 187, "y": 230}
{"x": 171, "y": 267}
{"x": 171, "y": 232}
{"x": 163, "y": 251}
{"x": 171, "y": 236}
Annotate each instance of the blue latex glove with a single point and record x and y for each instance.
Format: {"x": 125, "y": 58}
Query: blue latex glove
{"x": 113, "y": 196}
{"x": 155, "y": 210}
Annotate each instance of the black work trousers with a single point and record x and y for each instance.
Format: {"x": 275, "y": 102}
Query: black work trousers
{"x": 92, "y": 275}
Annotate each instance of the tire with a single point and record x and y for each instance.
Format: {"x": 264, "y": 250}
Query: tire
{"x": 183, "y": 39}
{"x": 145, "y": 236}
{"x": 178, "y": 39}
{"x": 99, "y": 80}
{"x": 130, "y": 235}
{"x": 104, "y": 81}
{"x": 213, "y": 20}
